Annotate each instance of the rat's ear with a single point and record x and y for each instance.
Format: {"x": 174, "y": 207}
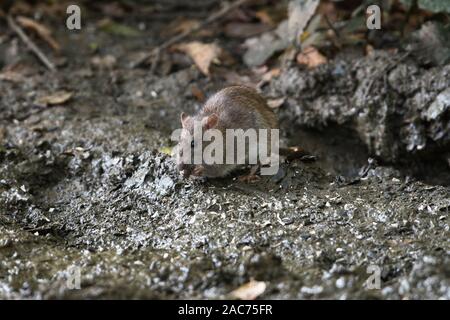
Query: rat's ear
{"x": 210, "y": 121}
{"x": 183, "y": 118}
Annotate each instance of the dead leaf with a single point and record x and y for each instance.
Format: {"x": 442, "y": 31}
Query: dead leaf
{"x": 311, "y": 57}
{"x": 276, "y": 103}
{"x": 84, "y": 73}
{"x": 300, "y": 12}
{"x": 203, "y": 54}
{"x": 234, "y": 78}
{"x": 260, "y": 70}
{"x": 260, "y": 49}
{"x": 264, "y": 17}
{"x": 181, "y": 26}
{"x": 272, "y": 73}
{"x": 11, "y": 76}
{"x": 21, "y": 8}
{"x": 197, "y": 93}
{"x": 41, "y": 30}
{"x": 104, "y": 62}
{"x": 56, "y": 98}
{"x": 268, "y": 76}
{"x": 250, "y": 290}
{"x": 369, "y": 49}
{"x": 16, "y": 72}
{"x": 311, "y": 34}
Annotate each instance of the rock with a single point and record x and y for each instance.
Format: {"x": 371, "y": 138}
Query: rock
{"x": 431, "y": 43}
{"x": 439, "y": 106}
{"x": 395, "y": 120}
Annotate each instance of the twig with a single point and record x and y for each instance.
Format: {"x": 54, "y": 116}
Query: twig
{"x": 331, "y": 26}
{"x": 411, "y": 9}
{"x": 30, "y": 44}
{"x": 217, "y": 15}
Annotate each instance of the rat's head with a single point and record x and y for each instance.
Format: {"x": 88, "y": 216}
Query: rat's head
{"x": 189, "y": 140}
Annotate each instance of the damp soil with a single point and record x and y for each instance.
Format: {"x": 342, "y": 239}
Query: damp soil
{"x": 86, "y": 186}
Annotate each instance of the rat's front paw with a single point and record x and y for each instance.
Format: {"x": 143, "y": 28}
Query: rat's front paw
{"x": 249, "y": 178}
{"x": 198, "y": 171}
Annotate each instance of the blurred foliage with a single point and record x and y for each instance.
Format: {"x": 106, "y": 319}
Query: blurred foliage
{"x": 112, "y": 27}
{"x": 430, "y": 5}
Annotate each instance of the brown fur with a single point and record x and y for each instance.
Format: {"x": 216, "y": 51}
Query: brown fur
{"x": 236, "y": 107}
{"x": 240, "y": 107}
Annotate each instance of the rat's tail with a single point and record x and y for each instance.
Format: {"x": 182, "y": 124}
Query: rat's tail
{"x": 292, "y": 153}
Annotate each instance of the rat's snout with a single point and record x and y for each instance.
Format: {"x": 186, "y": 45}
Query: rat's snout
{"x": 185, "y": 169}
{"x": 182, "y": 166}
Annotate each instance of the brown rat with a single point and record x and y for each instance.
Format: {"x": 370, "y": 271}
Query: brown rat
{"x": 235, "y": 107}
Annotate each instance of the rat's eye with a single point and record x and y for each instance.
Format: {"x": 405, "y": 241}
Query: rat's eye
{"x": 192, "y": 143}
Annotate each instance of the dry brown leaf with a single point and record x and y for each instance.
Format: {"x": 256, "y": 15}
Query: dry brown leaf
{"x": 183, "y": 25}
{"x": 300, "y": 12}
{"x": 249, "y": 291}
{"x": 267, "y": 76}
{"x": 21, "y": 8}
{"x": 197, "y": 93}
{"x": 264, "y": 17}
{"x": 104, "y": 62}
{"x": 56, "y": 98}
{"x": 11, "y": 76}
{"x": 203, "y": 54}
{"x": 329, "y": 10}
{"x": 234, "y": 78}
{"x": 41, "y": 30}
{"x": 311, "y": 57}
{"x": 272, "y": 73}
{"x": 369, "y": 49}
{"x": 276, "y": 103}
{"x": 260, "y": 70}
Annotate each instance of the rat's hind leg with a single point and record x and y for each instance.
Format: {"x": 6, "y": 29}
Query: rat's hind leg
{"x": 251, "y": 176}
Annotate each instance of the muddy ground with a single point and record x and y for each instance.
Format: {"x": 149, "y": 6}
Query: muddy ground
{"x": 86, "y": 184}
